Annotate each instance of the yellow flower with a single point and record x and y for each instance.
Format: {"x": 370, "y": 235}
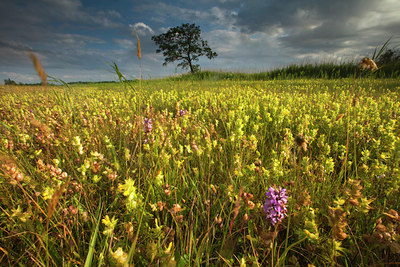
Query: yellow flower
{"x": 119, "y": 256}
{"x": 48, "y": 193}
{"x": 109, "y": 224}
{"x": 23, "y": 216}
{"x": 127, "y": 188}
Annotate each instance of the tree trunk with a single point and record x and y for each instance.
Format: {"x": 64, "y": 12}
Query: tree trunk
{"x": 190, "y": 65}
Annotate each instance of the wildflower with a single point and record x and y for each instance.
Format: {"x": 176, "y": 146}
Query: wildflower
{"x": 175, "y": 209}
{"x": 119, "y": 256}
{"x": 153, "y": 207}
{"x": 109, "y": 225}
{"x": 167, "y": 190}
{"x": 48, "y": 192}
{"x": 242, "y": 262}
{"x": 23, "y": 216}
{"x": 12, "y": 171}
{"x": 77, "y": 143}
{"x": 275, "y": 205}
{"x": 337, "y": 220}
{"x": 112, "y": 176}
{"x": 130, "y": 191}
{"x": 85, "y": 216}
{"x": 245, "y": 217}
{"x": 310, "y": 230}
{"x": 147, "y": 125}
{"x": 159, "y": 179}
{"x": 218, "y": 221}
{"x": 179, "y": 218}
{"x": 129, "y": 230}
{"x": 247, "y": 197}
{"x": 161, "y": 205}
{"x": 127, "y": 154}
{"x": 353, "y": 192}
{"x": 168, "y": 250}
{"x": 182, "y": 113}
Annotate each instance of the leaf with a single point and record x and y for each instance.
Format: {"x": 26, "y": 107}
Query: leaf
{"x": 89, "y": 257}
{"x": 383, "y": 49}
{"x": 282, "y": 258}
{"x": 229, "y": 247}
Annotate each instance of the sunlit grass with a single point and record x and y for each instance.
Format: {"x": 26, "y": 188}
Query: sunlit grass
{"x": 192, "y": 165}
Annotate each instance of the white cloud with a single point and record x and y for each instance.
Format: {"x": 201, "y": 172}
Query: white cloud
{"x": 124, "y": 43}
{"x": 75, "y": 40}
{"x": 69, "y": 4}
{"x": 18, "y": 77}
{"x": 215, "y": 15}
{"x": 141, "y": 28}
{"x": 114, "y": 13}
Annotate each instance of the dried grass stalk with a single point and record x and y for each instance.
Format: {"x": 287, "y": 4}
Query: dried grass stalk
{"x": 339, "y": 117}
{"x": 6, "y": 159}
{"x": 367, "y": 63}
{"x": 139, "y": 50}
{"x": 301, "y": 141}
{"x": 44, "y": 128}
{"x": 38, "y": 67}
{"x": 54, "y": 200}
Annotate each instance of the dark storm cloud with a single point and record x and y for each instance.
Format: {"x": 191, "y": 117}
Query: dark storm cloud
{"x": 14, "y": 46}
{"x": 323, "y": 25}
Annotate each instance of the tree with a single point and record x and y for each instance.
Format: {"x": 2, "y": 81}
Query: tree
{"x": 9, "y": 82}
{"x": 184, "y": 44}
{"x": 390, "y": 56}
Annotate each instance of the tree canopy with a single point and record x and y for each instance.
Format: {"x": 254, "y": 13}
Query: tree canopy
{"x": 390, "y": 56}
{"x": 9, "y": 82}
{"x": 183, "y": 44}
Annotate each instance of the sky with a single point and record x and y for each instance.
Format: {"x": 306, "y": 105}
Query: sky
{"x": 77, "y": 40}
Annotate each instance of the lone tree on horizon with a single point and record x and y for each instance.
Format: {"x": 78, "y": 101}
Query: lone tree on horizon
{"x": 183, "y": 43}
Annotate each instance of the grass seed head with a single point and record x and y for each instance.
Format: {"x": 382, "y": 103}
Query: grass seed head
{"x": 139, "y": 50}
{"x": 301, "y": 141}
{"x": 54, "y": 200}
{"x": 35, "y": 123}
{"x": 38, "y": 67}
{"x": 367, "y": 63}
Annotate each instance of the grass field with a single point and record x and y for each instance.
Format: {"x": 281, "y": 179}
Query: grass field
{"x": 179, "y": 174}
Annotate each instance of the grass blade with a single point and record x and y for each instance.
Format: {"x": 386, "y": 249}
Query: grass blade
{"x": 89, "y": 257}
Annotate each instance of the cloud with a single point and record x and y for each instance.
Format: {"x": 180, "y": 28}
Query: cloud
{"x": 14, "y": 45}
{"x": 242, "y": 51}
{"x": 327, "y": 26}
{"x": 205, "y": 13}
{"x": 15, "y": 76}
{"x": 124, "y": 43}
{"x": 141, "y": 28}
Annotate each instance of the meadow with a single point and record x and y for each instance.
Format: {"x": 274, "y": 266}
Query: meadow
{"x": 201, "y": 173}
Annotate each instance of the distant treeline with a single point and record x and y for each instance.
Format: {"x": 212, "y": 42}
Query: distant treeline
{"x": 312, "y": 71}
{"x": 12, "y": 82}
{"x": 388, "y": 67}
{"x": 388, "y": 63}
{"x": 80, "y": 82}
